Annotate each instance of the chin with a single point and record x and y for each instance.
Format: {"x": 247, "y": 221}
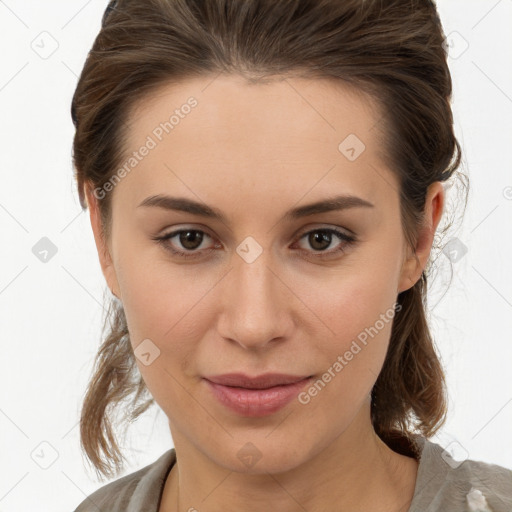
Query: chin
{"x": 260, "y": 456}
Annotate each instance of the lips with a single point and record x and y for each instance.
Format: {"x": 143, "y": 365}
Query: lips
{"x": 265, "y": 381}
{"x": 260, "y": 395}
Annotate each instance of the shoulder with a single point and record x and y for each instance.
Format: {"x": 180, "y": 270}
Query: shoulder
{"x": 141, "y": 488}
{"x": 444, "y": 483}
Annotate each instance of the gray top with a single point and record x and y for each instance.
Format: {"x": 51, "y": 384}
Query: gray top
{"x": 442, "y": 485}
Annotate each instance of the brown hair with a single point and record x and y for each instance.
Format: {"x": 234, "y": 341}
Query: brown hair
{"x": 393, "y": 51}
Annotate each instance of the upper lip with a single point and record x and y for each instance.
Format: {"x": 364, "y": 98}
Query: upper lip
{"x": 264, "y": 381}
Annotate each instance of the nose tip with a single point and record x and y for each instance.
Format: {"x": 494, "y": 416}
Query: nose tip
{"x": 253, "y": 344}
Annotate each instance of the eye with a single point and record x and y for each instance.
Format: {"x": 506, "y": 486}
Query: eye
{"x": 321, "y": 238}
{"x": 190, "y": 241}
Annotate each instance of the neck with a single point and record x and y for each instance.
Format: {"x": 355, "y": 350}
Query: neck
{"x": 358, "y": 471}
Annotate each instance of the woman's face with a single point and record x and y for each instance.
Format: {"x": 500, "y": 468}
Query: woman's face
{"x": 258, "y": 294}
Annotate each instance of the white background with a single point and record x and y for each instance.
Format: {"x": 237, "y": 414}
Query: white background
{"x": 51, "y": 313}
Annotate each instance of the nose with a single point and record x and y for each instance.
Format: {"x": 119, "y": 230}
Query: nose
{"x": 255, "y": 305}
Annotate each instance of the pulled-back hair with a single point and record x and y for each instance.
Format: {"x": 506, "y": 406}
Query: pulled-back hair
{"x": 392, "y": 51}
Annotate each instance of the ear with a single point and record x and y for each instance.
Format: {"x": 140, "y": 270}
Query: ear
{"x": 417, "y": 258}
{"x": 104, "y": 253}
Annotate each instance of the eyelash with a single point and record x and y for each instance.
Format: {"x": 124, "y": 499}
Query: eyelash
{"x": 347, "y": 239}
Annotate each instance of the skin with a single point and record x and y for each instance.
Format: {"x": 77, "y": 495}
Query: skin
{"x": 253, "y": 152}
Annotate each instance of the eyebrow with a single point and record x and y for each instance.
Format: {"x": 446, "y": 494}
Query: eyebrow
{"x": 184, "y": 204}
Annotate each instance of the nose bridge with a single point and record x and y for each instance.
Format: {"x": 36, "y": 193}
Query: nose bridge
{"x": 253, "y": 308}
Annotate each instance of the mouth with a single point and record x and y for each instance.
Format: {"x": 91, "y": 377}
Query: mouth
{"x": 265, "y": 381}
{"x": 260, "y": 395}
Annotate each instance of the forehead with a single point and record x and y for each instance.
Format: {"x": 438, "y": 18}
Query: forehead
{"x": 292, "y": 135}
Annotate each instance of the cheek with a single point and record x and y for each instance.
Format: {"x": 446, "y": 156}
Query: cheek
{"x": 356, "y": 298}
{"x": 357, "y": 310}
{"x": 165, "y": 304}
{"x": 352, "y": 354}
{"x": 157, "y": 294}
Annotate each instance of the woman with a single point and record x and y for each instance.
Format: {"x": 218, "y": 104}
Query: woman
{"x": 265, "y": 181}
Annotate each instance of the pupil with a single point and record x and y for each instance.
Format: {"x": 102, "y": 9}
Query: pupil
{"x": 324, "y": 237}
{"x": 188, "y": 236}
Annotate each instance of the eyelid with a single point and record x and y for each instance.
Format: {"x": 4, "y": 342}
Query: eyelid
{"x": 346, "y": 240}
{"x": 324, "y": 227}
{"x": 299, "y": 233}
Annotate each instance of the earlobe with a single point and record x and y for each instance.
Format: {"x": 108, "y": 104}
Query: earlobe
{"x": 417, "y": 258}
{"x": 104, "y": 254}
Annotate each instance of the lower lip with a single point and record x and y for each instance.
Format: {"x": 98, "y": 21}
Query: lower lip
{"x": 256, "y": 402}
